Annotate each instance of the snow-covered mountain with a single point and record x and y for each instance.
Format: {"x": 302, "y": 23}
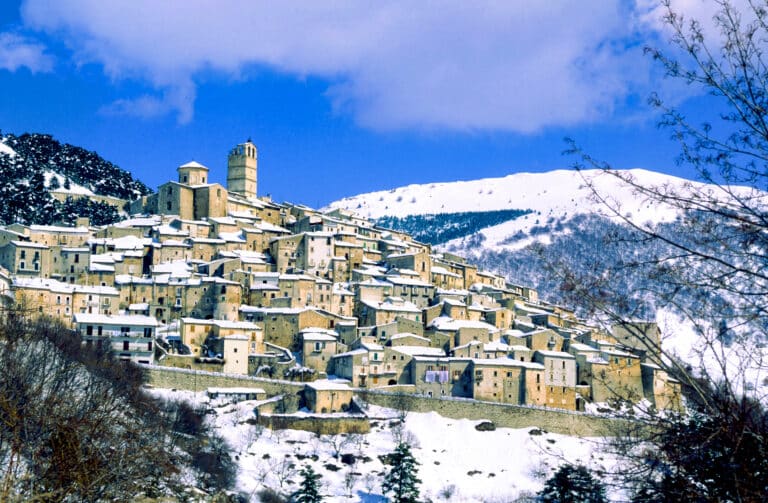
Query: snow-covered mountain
{"x": 552, "y": 197}
{"x": 557, "y": 209}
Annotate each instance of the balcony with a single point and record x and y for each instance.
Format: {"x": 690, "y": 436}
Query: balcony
{"x": 136, "y": 334}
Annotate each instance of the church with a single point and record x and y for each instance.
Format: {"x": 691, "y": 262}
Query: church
{"x": 193, "y": 197}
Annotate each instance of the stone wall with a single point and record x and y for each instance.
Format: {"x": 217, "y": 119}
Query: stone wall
{"x": 502, "y": 415}
{"x": 321, "y": 425}
{"x": 192, "y": 380}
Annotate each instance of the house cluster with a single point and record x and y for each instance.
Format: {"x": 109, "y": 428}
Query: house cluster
{"x": 217, "y": 278}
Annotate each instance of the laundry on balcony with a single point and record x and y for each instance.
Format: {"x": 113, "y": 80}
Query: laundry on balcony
{"x": 440, "y": 376}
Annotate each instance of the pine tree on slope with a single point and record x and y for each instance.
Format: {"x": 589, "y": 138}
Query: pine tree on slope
{"x": 402, "y": 480}
{"x": 309, "y": 488}
{"x": 573, "y": 484}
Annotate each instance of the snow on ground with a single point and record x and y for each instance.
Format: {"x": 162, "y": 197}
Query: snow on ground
{"x": 555, "y": 193}
{"x": 552, "y": 196}
{"x": 743, "y": 362}
{"x": 73, "y": 187}
{"x": 5, "y": 149}
{"x": 458, "y": 463}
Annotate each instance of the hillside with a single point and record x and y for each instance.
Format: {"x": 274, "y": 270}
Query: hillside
{"x": 537, "y": 209}
{"x": 34, "y": 165}
{"x": 551, "y": 197}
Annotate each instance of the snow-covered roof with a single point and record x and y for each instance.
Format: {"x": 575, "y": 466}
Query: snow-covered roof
{"x": 120, "y": 319}
{"x": 579, "y": 347}
{"x": 449, "y": 324}
{"x": 507, "y": 362}
{"x": 419, "y": 350}
{"x": 404, "y": 335}
{"x": 28, "y": 244}
{"x": 193, "y": 164}
{"x": 555, "y": 354}
{"x": 329, "y": 384}
{"x": 388, "y": 305}
{"x": 60, "y": 229}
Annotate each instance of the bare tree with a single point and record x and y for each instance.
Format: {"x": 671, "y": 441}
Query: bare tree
{"x": 73, "y": 426}
{"x": 337, "y": 443}
{"x": 710, "y": 267}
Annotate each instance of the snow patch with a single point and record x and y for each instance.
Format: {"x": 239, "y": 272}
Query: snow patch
{"x": 5, "y": 149}
{"x": 73, "y": 187}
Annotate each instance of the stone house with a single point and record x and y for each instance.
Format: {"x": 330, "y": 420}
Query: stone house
{"x": 324, "y": 396}
{"x": 363, "y": 366}
{"x": 660, "y": 389}
{"x": 441, "y": 376}
{"x": 26, "y": 259}
{"x": 195, "y": 332}
{"x": 614, "y": 374}
{"x": 282, "y": 325}
{"x": 318, "y": 345}
{"x": 460, "y": 332}
{"x": 419, "y": 262}
{"x": 397, "y": 362}
{"x": 416, "y": 291}
{"x": 507, "y": 381}
{"x": 128, "y": 337}
{"x": 559, "y": 378}
{"x": 445, "y": 279}
{"x": 542, "y": 339}
{"x": 381, "y": 313}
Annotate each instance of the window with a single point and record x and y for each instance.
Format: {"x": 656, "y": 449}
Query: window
{"x": 126, "y": 345}
{"x": 77, "y": 258}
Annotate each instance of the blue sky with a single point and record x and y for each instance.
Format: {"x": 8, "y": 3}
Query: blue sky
{"x": 341, "y": 97}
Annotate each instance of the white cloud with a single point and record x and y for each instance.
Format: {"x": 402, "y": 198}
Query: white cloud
{"x": 178, "y": 98}
{"x": 514, "y": 65}
{"x": 18, "y": 52}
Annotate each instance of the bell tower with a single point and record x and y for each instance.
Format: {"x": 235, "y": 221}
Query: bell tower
{"x": 242, "y": 170}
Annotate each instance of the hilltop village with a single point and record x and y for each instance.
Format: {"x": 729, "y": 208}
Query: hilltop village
{"x": 215, "y": 278}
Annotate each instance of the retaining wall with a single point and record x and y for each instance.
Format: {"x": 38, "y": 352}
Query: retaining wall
{"x": 505, "y": 415}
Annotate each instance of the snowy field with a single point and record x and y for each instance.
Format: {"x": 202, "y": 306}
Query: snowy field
{"x": 457, "y": 462}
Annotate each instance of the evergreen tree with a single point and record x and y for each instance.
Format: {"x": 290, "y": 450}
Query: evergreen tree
{"x": 573, "y": 484}
{"x": 309, "y": 488}
{"x": 54, "y": 184}
{"x": 402, "y": 480}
